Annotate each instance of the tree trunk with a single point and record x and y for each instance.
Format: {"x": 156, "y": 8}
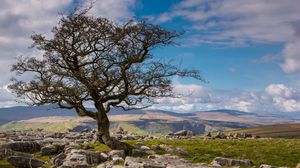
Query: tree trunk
{"x": 104, "y": 134}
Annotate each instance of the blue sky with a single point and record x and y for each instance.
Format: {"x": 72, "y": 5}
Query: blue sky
{"x": 248, "y": 51}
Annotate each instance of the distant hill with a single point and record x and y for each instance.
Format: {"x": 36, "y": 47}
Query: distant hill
{"x": 274, "y": 131}
{"x": 151, "y": 121}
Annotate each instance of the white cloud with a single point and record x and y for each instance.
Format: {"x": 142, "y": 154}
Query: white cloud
{"x": 291, "y": 54}
{"x": 275, "y": 98}
{"x": 236, "y": 22}
{"x": 116, "y": 10}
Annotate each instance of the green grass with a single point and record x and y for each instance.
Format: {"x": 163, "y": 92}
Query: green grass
{"x": 55, "y": 127}
{"x": 274, "y": 131}
{"x": 5, "y": 164}
{"x": 277, "y": 152}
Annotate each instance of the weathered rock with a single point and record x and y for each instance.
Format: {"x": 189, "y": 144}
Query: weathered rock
{"x": 231, "y": 162}
{"x": 58, "y": 160}
{"x": 164, "y": 161}
{"x": 220, "y": 135}
{"x": 267, "y": 166}
{"x": 52, "y": 149}
{"x": 83, "y": 158}
{"x": 24, "y": 162}
{"x": 116, "y": 153}
{"x": 5, "y": 152}
{"x": 142, "y": 152}
{"x": 26, "y": 146}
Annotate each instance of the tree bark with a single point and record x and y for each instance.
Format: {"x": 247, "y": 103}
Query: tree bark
{"x": 103, "y": 132}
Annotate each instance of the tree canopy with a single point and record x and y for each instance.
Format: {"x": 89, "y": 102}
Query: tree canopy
{"x": 94, "y": 60}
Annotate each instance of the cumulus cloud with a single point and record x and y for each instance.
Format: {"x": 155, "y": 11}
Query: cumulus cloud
{"x": 236, "y": 23}
{"x": 116, "y": 10}
{"x": 275, "y": 98}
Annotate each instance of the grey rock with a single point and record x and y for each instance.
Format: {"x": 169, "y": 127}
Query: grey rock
{"x": 58, "y": 160}
{"x": 231, "y": 162}
{"x": 114, "y": 153}
{"x": 26, "y": 146}
{"x": 267, "y": 166}
{"x": 24, "y": 162}
{"x": 52, "y": 149}
{"x": 5, "y": 152}
{"x": 157, "y": 161}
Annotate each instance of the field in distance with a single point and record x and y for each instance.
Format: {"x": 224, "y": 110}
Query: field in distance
{"x": 273, "y": 131}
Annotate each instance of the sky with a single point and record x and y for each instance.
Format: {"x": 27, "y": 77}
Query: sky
{"x": 247, "y": 51}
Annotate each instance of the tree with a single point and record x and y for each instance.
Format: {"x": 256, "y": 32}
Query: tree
{"x": 94, "y": 60}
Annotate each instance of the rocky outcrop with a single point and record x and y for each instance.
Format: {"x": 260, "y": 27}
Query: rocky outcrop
{"x": 220, "y": 161}
{"x": 26, "y": 146}
{"x": 52, "y": 149}
{"x": 24, "y": 162}
{"x": 161, "y": 161}
{"x": 79, "y": 158}
{"x": 5, "y": 152}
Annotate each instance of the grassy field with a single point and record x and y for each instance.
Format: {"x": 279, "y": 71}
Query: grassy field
{"x": 274, "y": 131}
{"x": 278, "y": 152}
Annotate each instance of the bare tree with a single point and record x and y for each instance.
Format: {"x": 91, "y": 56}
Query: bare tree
{"x": 94, "y": 60}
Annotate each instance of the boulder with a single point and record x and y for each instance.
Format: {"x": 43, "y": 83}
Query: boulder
{"x": 5, "y": 152}
{"x": 24, "y": 162}
{"x": 25, "y": 146}
{"x": 220, "y": 135}
{"x": 116, "y": 153}
{"x": 231, "y": 162}
{"x": 160, "y": 161}
{"x": 58, "y": 160}
{"x": 267, "y": 166}
{"x": 52, "y": 149}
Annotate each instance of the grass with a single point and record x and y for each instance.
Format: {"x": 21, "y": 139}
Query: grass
{"x": 274, "y": 131}
{"x": 277, "y": 152}
{"x": 5, "y": 164}
{"x": 55, "y": 127}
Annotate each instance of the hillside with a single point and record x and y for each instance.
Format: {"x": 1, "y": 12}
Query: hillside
{"x": 274, "y": 131}
{"x": 140, "y": 121}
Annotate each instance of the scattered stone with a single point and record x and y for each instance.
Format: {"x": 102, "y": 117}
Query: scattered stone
{"x": 231, "y": 162}
{"x": 25, "y": 146}
{"x": 161, "y": 161}
{"x": 52, "y": 149}
{"x": 24, "y": 162}
{"x": 116, "y": 153}
{"x": 5, "y": 152}
{"x": 220, "y": 135}
{"x": 267, "y": 166}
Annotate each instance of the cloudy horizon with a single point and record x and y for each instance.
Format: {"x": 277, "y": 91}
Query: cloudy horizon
{"x": 248, "y": 51}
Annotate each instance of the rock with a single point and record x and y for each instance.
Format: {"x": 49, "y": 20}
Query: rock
{"x": 267, "y": 166}
{"x": 231, "y": 162}
{"x": 157, "y": 161}
{"x": 181, "y": 133}
{"x": 51, "y": 149}
{"x": 25, "y": 146}
{"x": 220, "y": 135}
{"x": 116, "y": 153}
{"x": 5, "y": 152}
{"x": 74, "y": 159}
{"x": 141, "y": 152}
{"x": 208, "y": 134}
{"x": 58, "y": 160}
{"x": 24, "y": 162}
